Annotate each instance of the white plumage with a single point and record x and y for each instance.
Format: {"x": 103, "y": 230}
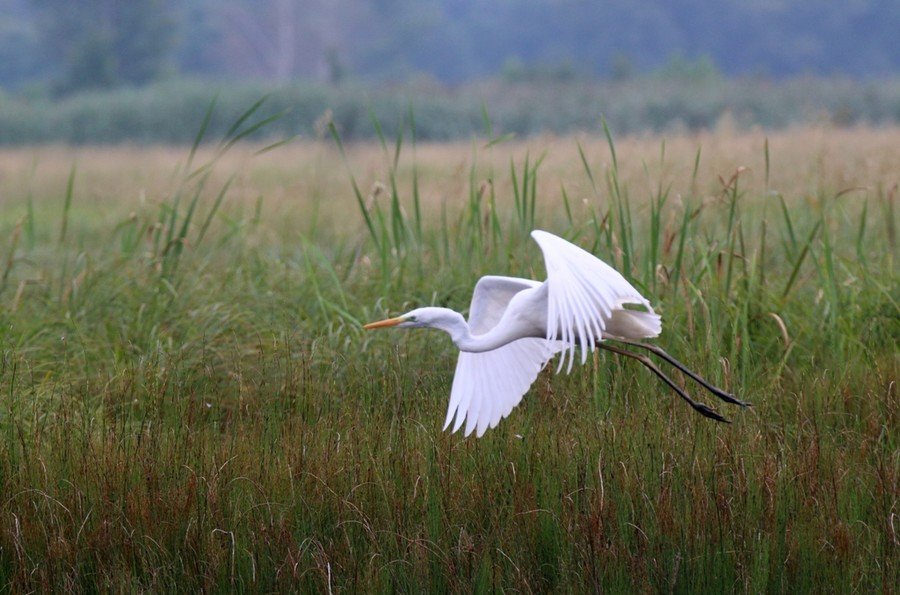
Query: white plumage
{"x": 517, "y": 325}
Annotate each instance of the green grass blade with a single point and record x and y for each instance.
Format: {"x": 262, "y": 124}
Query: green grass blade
{"x": 215, "y": 208}
{"x": 379, "y": 133}
{"x": 253, "y": 128}
{"x": 612, "y": 146}
{"x": 799, "y": 261}
{"x": 695, "y": 171}
{"x": 587, "y": 167}
{"x": 360, "y": 202}
{"x": 788, "y": 224}
{"x": 246, "y": 115}
{"x": 198, "y": 138}
{"x": 10, "y": 255}
{"x": 861, "y": 234}
{"x": 67, "y": 205}
{"x": 566, "y": 205}
{"x": 417, "y": 201}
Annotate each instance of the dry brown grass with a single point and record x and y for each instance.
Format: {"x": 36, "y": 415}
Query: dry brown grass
{"x": 806, "y": 163}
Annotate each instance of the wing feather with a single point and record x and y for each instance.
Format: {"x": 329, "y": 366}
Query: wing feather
{"x": 583, "y": 292}
{"x": 584, "y": 300}
{"x": 490, "y": 298}
{"x": 487, "y": 386}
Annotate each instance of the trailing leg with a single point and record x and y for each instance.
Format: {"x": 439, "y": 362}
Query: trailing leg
{"x": 697, "y": 406}
{"x": 727, "y": 397}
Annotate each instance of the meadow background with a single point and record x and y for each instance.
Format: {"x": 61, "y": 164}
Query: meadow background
{"x": 201, "y": 202}
{"x": 190, "y": 402}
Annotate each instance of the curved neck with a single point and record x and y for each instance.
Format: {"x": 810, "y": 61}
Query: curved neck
{"x": 462, "y": 336}
{"x": 477, "y": 343}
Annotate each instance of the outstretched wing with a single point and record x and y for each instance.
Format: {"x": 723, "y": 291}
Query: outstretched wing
{"x": 583, "y": 293}
{"x": 490, "y": 299}
{"x": 486, "y": 386}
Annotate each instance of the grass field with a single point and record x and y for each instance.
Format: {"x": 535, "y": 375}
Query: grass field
{"x": 189, "y": 401}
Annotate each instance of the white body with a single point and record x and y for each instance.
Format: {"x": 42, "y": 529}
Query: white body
{"x": 516, "y": 325}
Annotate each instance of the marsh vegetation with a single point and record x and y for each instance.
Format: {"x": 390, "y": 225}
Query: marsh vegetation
{"x": 188, "y": 399}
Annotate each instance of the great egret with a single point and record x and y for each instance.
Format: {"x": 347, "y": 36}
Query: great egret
{"x": 516, "y": 325}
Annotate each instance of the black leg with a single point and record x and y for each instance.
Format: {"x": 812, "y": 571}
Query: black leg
{"x": 698, "y": 407}
{"x": 727, "y": 397}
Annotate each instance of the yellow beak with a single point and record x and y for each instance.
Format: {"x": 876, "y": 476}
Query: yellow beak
{"x": 384, "y": 323}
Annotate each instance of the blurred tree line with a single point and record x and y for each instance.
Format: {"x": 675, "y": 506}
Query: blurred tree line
{"x": 68, "y": 45}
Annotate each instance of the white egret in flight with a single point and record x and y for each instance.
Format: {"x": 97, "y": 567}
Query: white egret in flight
{"x": 517, "y": 325}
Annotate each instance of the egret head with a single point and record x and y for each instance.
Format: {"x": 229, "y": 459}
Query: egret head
{"x": 440, "y": 318}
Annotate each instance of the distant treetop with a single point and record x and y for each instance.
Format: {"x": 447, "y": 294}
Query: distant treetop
{"x": 66, "y": 45}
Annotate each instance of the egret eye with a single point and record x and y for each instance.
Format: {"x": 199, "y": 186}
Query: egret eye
{"x": 410, "y": 319}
